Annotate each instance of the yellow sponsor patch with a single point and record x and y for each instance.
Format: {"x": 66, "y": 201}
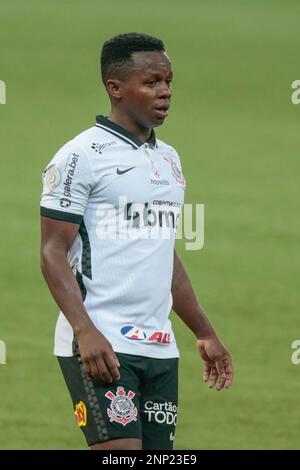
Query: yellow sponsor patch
{"x": 80, "y": 413}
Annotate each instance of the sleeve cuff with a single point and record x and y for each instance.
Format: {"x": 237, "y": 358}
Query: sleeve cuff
{"x": 60, "y": 215}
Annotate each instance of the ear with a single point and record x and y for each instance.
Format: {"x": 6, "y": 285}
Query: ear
{"x": 114, "y": 88}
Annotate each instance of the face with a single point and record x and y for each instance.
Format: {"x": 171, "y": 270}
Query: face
{"x": 145, "y": 93}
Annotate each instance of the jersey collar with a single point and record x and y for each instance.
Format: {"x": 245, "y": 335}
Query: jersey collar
{"x": 123, "y": 134}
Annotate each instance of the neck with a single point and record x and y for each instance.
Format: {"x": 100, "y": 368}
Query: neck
{"x": 122, "y": 119}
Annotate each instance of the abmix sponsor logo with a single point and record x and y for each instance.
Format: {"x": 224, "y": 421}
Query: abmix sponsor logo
{"x": 158, "y": 219}
{"x": 134, "y": 333}
{"x": 148, "y": 215}
{"x": 161, "y": 413}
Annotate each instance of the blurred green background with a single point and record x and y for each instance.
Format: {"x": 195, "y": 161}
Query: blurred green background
{"x": 237, "y": 132}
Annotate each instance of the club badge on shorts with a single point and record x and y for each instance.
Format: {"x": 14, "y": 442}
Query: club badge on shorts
{"x": 122, "y": 409}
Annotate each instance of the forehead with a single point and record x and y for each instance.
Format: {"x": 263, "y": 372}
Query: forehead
{"x": 151, "y": 61}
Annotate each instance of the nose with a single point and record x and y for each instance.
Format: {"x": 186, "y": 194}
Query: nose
{"x": 165, "y": 91}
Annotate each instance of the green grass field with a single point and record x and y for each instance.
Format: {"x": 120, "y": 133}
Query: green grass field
{"x": 237, "y": 131}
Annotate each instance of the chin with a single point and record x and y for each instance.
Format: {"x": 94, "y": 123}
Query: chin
{"x": 157, "y": 122}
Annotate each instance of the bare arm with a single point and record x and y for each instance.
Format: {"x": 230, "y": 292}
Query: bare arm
{"x": 97, "y": 354}
{"x": 217, "y": 360}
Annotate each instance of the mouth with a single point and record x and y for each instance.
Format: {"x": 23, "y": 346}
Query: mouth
{"x": 162, "y": 111}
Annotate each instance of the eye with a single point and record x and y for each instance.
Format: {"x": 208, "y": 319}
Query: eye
{"x": 151, "y": 82}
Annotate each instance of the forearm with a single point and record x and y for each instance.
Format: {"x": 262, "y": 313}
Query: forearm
{"x": 185, "y": 303}
{"x": 64, "y": 288}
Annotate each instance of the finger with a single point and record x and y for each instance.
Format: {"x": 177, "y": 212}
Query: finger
{"x": 206, "y": 372}
{"x": 219, "y": 362}
{"x": 103, "y": 371}
{"x": 94, "y": 369}
{"x": 112, "y": 366}
{"x": 213, "y": 377}
{"x": 228, "y": 371}
{"x": 221, "y": 380}
{"x": 87, "y": 368}
{"x": 116, "y": 360}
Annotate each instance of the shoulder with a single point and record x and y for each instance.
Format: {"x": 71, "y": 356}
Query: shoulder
{"x": 93, "y": 139}
{"x": 80, "y": 148}
{"x": 86, "y": 143}
{"x": 86, "y": 140}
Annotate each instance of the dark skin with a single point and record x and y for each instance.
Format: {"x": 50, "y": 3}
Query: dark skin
{"x": 140, "y": 98}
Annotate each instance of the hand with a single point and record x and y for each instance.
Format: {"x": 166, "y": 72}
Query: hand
{"x": 98, "y": 357}
{"x": 217, "y": 362}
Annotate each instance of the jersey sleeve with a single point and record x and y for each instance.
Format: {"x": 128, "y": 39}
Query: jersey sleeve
{"x": 67, "y": 182}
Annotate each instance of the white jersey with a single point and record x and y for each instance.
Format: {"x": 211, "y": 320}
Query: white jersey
{"x": 126, "y": 197}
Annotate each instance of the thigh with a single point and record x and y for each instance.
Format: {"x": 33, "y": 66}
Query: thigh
{"x": 103, "y": 412}
{"x": 159, "y": 403}
{"x": 119, "y": 444}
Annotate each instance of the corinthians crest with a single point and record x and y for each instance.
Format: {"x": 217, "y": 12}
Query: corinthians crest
{"x": 122, "y": 409}
{"x": 176, "y": 171}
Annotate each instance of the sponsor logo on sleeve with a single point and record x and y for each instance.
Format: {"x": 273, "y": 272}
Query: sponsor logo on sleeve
{"x": 52, "y": 178}
{"x": 71, "y": 167}
{"x": 64, "y": 202}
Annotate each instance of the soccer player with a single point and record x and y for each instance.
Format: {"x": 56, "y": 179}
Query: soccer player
{"x": 109, "y": 211}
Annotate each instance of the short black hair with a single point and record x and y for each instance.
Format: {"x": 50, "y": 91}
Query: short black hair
{"x": 116, "y": 52}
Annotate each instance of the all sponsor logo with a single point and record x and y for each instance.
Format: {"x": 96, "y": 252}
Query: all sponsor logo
{"x": 81, "y": 414}
{"x": 135, "y": 333}
{"x": 122, "y": 409}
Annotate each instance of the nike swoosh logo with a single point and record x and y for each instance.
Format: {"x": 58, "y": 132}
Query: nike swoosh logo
{"x": 121, "y": 172}
{"x": 172, "y": 437}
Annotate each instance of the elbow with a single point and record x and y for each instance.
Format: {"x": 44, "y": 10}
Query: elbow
{"x": 45, "y": 261}
{"x": 51, "y": 260}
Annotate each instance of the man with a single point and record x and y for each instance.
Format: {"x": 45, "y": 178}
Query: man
{"x": 110, "y": 205}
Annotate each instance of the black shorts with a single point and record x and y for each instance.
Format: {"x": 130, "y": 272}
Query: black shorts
{"x": 142, "y": 404}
